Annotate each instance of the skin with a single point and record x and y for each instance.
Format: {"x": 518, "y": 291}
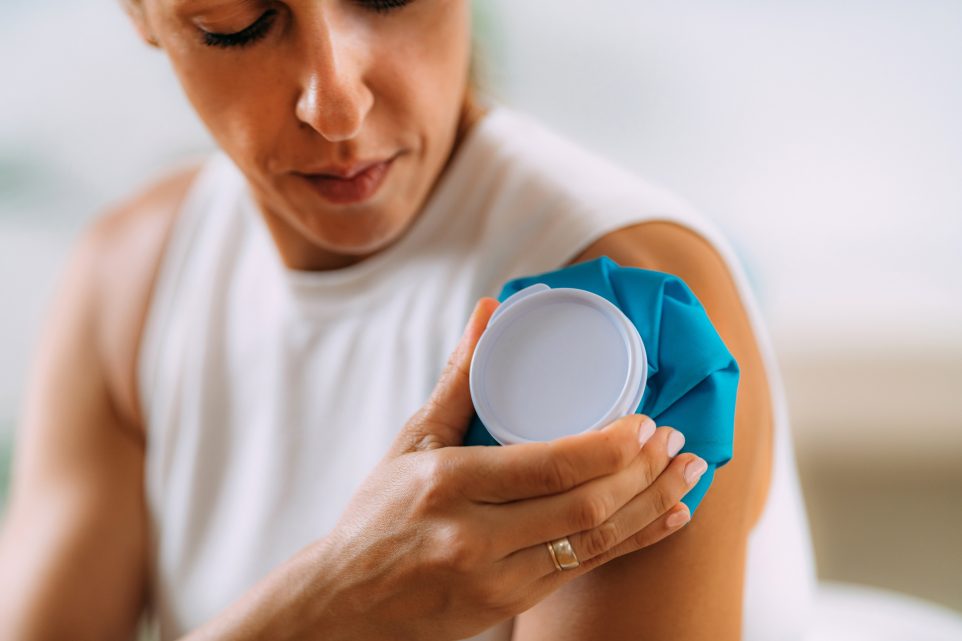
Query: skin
{"x": 697, "y": 573}
{"x": 331, "y": 82}
{"x": 73, "y": 548}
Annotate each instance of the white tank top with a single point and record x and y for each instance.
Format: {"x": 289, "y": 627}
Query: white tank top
{"x": 270, "y": 393}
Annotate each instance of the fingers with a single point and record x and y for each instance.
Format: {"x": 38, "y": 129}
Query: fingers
{"x": 672, "y": 520}
{"x": 444, "y": 418}
{"x": 666, "y": 524}
{"x": 644, "y": 519}
{"x": 641, "y": 521}
{"x": 526, "y": 470}
{"x": 585, "y": 507}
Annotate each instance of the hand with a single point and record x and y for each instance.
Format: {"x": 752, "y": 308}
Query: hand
{"x": 442, "y": 542}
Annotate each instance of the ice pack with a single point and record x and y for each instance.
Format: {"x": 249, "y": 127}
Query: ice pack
{"x": 573, "y": 349}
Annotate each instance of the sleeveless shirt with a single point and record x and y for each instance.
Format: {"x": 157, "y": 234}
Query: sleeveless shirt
{"x": 270, "y": 393}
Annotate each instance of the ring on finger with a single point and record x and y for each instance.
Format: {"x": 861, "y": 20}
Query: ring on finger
{"x": 562, "y": 554}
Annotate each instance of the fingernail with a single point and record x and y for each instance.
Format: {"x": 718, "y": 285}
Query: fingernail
{"x": 675, "y": 442}
{"x": 695, "y": 469}
{"x": 678, "y": 518}
{"x": 646, "y": 430}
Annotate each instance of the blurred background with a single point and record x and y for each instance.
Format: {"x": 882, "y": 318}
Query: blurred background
{"x": 824, "y": 138}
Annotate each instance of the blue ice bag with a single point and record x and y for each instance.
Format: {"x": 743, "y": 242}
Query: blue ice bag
{"x": 692, "y": 378}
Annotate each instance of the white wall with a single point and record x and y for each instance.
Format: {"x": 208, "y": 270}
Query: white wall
{"x": 87, "y": 113}
{"x": 824, "y": 137}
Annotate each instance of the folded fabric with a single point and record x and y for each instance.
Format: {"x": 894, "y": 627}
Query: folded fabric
{"x": 692, "y": 377}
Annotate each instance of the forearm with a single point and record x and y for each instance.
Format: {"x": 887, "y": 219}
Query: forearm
{"x": 297, "y": 601}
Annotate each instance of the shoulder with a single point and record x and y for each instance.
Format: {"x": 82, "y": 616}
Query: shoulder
{"x": 681, "y": 250}
{"x": 120, "y": 252}
{"x": 559, "y": 181}
{"x": 77, "y": 500}
{"x": 708, "y": 556}
{"x": 540, "y": 155}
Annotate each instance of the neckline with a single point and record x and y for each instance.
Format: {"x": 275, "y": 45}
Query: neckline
{"x": 359, "y": 283}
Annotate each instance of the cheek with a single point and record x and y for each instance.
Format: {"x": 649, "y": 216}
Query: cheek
{"x": 443, "y": 49}
{"x": 421, "y": 69}
{"x": 242, "y": 106}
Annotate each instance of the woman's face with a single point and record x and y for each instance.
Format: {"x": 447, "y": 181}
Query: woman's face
{"x": 292, "y": 89}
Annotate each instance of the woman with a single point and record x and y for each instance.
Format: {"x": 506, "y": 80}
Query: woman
{"x": 244, "y": 411}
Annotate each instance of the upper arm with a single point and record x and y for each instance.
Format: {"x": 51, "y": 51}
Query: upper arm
{"x": 689, "y": 585}
{"x": 71, "y": 548}
{"x": 73, "y": 543}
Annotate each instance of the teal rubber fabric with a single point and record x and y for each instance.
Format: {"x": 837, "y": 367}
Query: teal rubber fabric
{"x": 692, "y": 377}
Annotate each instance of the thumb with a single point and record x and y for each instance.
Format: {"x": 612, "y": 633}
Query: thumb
{"x": 443, "y": 419}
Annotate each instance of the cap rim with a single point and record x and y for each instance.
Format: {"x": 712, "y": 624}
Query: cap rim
{"x": 519, "y": 303}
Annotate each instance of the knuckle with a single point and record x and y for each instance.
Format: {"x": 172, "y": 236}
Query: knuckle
{"x": 598, "y": 560}
{"x": 590, "y": 511}
{"x": 601, "y": 539}
{"x": 662, "y": 499}
{"x": 491, "y": 597}
{"x": 648, "y": 472}
{"x": 434, "y": 485}
{"x": 641, "y": 539}
{"x": 625, "y": 450}
{"x": 457, "y": 550}
{"x": 615, "y": 451}
{"x": 556, "y": 473}
{"x": 431, "y": 407}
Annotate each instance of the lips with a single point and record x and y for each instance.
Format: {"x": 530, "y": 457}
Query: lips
{"x": 346, "y": 172}
{"x": 354, "y": 184}
{"x": 346, "y": 169}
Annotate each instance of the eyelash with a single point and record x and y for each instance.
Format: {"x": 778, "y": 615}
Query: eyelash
{"x": 259, "y": 28}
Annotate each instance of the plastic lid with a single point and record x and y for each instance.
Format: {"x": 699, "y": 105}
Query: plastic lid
{"x": 554, "y": 362}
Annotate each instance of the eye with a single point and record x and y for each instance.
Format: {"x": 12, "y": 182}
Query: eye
{"x": 383, "y": 6}
{"x": 260, "y": 27}
{"x": 248, "y": 35}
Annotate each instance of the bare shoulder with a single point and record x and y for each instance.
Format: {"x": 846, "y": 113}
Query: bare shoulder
{"x": 77, "y": 495}
{"x": 128, "y": 241}
{"x": 699, "y": 570}
{"x": 660, "y": 243}
{"x": 674, "y": 248}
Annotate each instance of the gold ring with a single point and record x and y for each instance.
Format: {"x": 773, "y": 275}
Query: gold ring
{"x": 562, "y": 554}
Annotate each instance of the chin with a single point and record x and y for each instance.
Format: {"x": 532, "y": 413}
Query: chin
{"x": 354, "y": 234}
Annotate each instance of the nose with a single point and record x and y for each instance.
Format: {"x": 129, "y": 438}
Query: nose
{"x": 333, "y": 97}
